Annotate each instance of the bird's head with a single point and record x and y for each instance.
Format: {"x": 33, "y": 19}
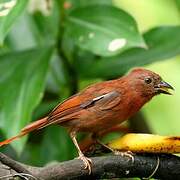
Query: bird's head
{"x": 148, "y": 83}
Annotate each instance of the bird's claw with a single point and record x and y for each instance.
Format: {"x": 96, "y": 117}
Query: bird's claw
{"x": 128, "y": 154}
{"x": 87, "y": 162}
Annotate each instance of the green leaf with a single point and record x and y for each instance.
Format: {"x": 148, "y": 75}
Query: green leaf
{"x": 162, "y": 42}
{"x": 103, "y": 29}
{"x": 22, "y": 80}
{"x": 68, "y": 6}
{"x": 80, "y": 3}
{"x": 87, "y": 2}
{"x": 6, "y": 20}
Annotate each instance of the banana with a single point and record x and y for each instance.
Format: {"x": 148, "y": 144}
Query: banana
{"x": 146, "y": 143}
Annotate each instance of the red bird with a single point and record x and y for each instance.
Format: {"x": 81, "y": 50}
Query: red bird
{"x": 101, "y": 106}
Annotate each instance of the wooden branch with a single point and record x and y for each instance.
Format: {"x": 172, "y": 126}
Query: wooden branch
{"x": 106, "y": 167}
{"x": 13, "y": 164}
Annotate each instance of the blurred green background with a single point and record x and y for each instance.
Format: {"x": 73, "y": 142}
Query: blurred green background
{"x": 50, "y": 50}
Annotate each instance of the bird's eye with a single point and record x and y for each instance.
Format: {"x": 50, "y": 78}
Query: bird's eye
{"x": 148, "y": 80}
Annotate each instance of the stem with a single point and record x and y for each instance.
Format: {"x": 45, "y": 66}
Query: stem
{"x": 70, "y": 71}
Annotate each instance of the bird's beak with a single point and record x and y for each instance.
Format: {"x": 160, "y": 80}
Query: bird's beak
{"x": 164, "y": 87}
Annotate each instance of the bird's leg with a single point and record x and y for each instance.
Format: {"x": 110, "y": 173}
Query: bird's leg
{"x": 87, "y": 161}
{"x": 116, "y": 152}
{"x": 89, "y": 142}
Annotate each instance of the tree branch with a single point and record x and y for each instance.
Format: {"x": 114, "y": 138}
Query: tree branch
{"x": 103, "y": 167}
{"x": 16, "y": 166}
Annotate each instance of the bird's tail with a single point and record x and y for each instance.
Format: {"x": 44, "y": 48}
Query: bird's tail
{"x": 27, "y": 129}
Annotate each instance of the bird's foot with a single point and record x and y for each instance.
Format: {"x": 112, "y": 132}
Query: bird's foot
{"x": 128, "y": 154}
{"x": 87, "y": 162}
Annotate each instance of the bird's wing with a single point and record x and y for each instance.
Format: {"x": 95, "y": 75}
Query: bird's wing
{"x": 65, "y": 108}
{"x": 66, "y": 111}
{"x": 105, "y": 101}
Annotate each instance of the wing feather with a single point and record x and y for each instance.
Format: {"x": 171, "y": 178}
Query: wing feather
{"x": 66, "y": 111}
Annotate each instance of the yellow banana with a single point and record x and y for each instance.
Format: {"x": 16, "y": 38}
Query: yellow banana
{"x": 146, "y": 143}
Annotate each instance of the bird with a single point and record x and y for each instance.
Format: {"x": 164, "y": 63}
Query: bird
{"x": 101, "y": 106}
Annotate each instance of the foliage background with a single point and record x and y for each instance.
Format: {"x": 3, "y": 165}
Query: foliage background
{"x": 50, "y": 50}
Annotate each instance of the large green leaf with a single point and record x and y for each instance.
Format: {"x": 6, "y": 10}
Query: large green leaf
{"x": 103, "y": 30}
{"x": 9, "y": 15}
{"x": 72, "y": 4}
{"x": 68, "y": 6}
{"x": 162, "y": 42}
{"x": 22, "y": 80}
